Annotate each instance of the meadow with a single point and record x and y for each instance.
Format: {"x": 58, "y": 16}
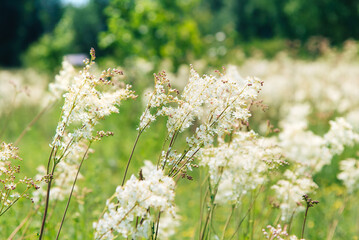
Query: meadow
{"x": 216, "y": 156}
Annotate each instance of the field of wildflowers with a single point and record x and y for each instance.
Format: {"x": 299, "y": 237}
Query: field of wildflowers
{"x": 105, "y": 155}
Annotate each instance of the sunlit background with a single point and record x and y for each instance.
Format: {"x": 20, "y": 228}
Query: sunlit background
{"x": 305, "y": 51}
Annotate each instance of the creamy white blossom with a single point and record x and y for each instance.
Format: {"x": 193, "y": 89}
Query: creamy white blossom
{"x": 277, "y": 233}
{"x": 308, "y": 150}
{"x": 341, "y": 134}
{"x": 349, "y": 174}
{"x": 219, "y": 102}
{"x": 289, "y": 192}
{"x": 62, "y": 81}
{"x": 86, "y": 102}
{"x": 240, "y": 166}
{"x": 155, "y": 191}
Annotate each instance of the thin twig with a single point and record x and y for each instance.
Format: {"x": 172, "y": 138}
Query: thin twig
{"x": 227, "y": 222}
{"x": 47, "y": 202}
{"x": 23, "y": 222}
{"x": 33, "y": 121}
{"x": 130, "y": 158}
{"x": 72, "y": 190}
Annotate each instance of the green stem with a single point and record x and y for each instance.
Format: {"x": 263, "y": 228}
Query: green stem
{"x": 72, "y": 190}
{"x": 305, "y": 219}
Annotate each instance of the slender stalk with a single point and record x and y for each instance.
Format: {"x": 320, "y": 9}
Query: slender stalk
{"x": 23, "y": 222}
{"x": 291, "y": 221}
{"x": 305, "y": 219}
{"x": 334, "y": 224}
{"x": 184, "y": 164}
{"x": 248, "y": 211}
{"x": 33, "y": 121}
{"x": 130, "y": 158}
{"x": 13, "y": 203}
{"x": 72, "y": 190}
{"x": 253, "y": 216}
{"x": 46, "y": 202}
{"x": 158, "y": 224}
{"x": 227, "y": 222}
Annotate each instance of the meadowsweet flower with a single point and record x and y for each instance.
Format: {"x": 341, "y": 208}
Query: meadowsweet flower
{"x": 85, "y": 104}
{"x": 275, "y": 233}
{"x": 349, "y": 174}
{"x": 241, "y": 166}
{"x": 289, "y": 192}
{"x": 168, "y": 224}
{"x": 341, "y": 134}
{"x": 8, "y": 151}
{"x": 13, "y": 188}
{"x": 304, "y": 148}
{"x": 161, "y": 95}
{"x": 218, "y": 102}
{"x": 21, "y": 88}
{"x": 62, "y": 81}
{"x": 308, "y": 150}
{"x": 155, "y": 191}
{"x": 278, "y": 233}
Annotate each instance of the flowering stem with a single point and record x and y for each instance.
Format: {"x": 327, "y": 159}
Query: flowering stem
{"x": 130, "y": 158}
{"x": 47, "y": 200}
{"x": 310, "y": 203}
{"x": 305, "y": 219}
{"x": 184, "y": 164}
{"x": 248, "y": 211}
{"x": 72, "y": 190}
{"x": 291, "y": 220}
{"x": 227, "y": 222}
{"x": 13, "y": 203}
{"x": 158, "y": 224}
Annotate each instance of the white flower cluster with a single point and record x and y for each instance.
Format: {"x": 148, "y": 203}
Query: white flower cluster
{"x": 155, "y": 191}
{"x": 278, "y": 233}
{"x": 12, "y": 187}
{"x": 159, "y": 97}
{"x": 349, "y": 174}
{"x": 310, "y": 151}
{"x": 215, "y": 100}
{"x": 241, "y": 166}
{"x": 21, "y": 87}
{"x": 62, "y": 82}
{"x": 290, "y": 191}
{"x": 340, "y": 135}
{"x": 85, "y": 105}
{"x": 328, "y": 84}
{"x": 168, "y": 224}
{"x": 219, "y": 102}
{"x": 8, "y": 151}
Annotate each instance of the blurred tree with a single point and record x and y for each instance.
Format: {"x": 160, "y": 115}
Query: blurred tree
{"x": 334, "y": 19}
{"x": 294, "y": 19}
{"x": 22, "y": 22}
{"x": 152, "y": 29}
{"x": 48, "y": 51}
{"x": 76, "y": 32}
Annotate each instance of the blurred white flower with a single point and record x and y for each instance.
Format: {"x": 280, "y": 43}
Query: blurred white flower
{"x": 349, "y": 174}
{"x": 155, "y": 191}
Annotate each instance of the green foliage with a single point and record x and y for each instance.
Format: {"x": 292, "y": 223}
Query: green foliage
{"x": 75, "y": 33}
{"x": 152, "y": 29}
{"x": 47, "y": 53}
{"x": 23, "y": 22}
